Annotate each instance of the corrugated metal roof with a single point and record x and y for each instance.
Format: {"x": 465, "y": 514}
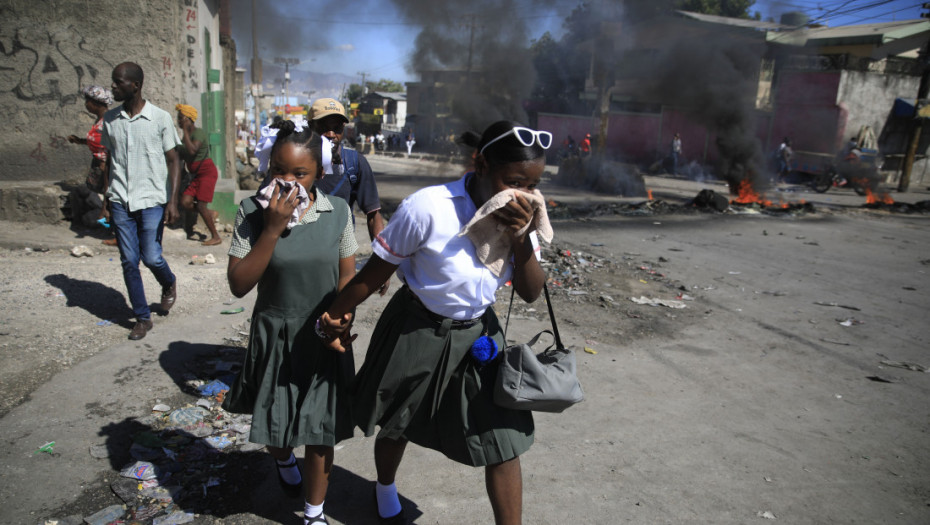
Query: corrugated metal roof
{"x": 393, "y": 95}
{"x": 735, "y": 22}
{"x": 866, "y": 33}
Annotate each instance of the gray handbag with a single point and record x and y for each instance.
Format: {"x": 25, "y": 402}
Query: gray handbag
{"x": 543, "y": 382}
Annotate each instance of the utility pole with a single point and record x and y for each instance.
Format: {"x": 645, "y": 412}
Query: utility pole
{"x": 471, "y": 41}
{"x": 256, "y": 71}
{"x": 363, "y": 74}
{"x": 287, "y": 78}
{"x": 917, "y": 123}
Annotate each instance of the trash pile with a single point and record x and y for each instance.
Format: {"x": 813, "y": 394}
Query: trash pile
{"x": 179, "y": 453}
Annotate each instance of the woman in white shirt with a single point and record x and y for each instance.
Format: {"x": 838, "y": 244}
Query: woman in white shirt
{"x": 419, "y": 382}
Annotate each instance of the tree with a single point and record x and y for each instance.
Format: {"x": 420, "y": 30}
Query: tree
{"x": 729, "y": 8}
{"x": 355, "y": 92}
{"x": 386, "y": 85}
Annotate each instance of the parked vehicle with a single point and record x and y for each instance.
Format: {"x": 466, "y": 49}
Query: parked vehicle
{"x": 857, "y": 170}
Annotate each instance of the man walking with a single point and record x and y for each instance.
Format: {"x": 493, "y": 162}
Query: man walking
{"x": 354, "y": 182}
{"x": 141, "y": 139}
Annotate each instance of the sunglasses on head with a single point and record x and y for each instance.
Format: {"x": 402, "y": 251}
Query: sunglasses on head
{"x": 526, "y": 136}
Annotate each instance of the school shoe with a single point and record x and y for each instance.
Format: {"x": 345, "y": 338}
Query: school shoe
{"x": 292, "y": 491}
{"x": 168, "y": 295}
{"x": 318, "y": 519}
{"x": 141, "y": 328}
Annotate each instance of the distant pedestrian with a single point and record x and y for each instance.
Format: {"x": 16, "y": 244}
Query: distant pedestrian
{"x": 584, "y": 147}
{"x": 411, "y": 140}
{"x": 676, "y": 152}
{"x": 140, "y": 139}
{"x": 86, "y": 206}
{"x": 296, "y": 246}
{"x": 195, "y": 150}
{"x": 785, "y": 154}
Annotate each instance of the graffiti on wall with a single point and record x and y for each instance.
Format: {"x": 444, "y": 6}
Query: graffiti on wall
{"x": 48, "y": 66}
{"x": 190, "y": 25}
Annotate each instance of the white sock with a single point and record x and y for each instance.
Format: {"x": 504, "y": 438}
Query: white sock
{"x": 388, "y": 503}
{"x": 290, "y": 475}
{"x": 311, "y": 511}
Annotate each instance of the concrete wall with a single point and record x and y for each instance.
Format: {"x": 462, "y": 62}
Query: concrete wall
{"x": 50, "y": 49}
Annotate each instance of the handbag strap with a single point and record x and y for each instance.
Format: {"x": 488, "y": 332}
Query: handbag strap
{"x": 555, "y": 328}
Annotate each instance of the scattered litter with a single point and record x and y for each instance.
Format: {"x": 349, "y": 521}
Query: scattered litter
{"x": 766, "y": 514}
{"x": 186, "y": 416}
{"x": 141, "y": 470}
{"x": 606, "y": 298}
{"x": 233, "y": 310}
{"x": 104, "y": 323}
{"x": 590, "y": 350}
{"x": 175, "y": 518}
{"x": 577, "y": 292}
{"x": 204, "y": 403}
{"x": 909, "y": 288}
{"x": 597, "y": 244}
{"x": 107, "y": 515}
{"x": 230, "y": 301}
{"x": 209, "y": 259}
{"x": 850, "y": 322}
{"x": 146, "y": 512}
{"x": 47, "y": 448}
{"x": 837, "y": 305}
{"x": 161, "y": 407}
{"x": 684, "y": 297}
{"x": 652, "y": 301}
{"x": 212, "y": 388}
{"x": 880, "y": 379}
{"x": 218, "y": 442}
{"x": 82, "y": 251}
{"x": 904, "y": 364}
{"x": 735, "y": 273}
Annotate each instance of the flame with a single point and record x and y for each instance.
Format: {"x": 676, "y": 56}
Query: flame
{"x": 748, "y": 195}
{"x": 649, "y": 194}
{"x": 877, "y": 198}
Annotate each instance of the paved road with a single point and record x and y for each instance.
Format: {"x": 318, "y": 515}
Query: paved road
{"x": 753, "y": 399}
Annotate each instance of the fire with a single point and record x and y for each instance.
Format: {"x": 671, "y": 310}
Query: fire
{"x": 748, "y": 195}
{"x": 649, "y": 194}
{"x": 877, "y": 198}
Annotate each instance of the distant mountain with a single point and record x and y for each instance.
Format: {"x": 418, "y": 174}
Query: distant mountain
{"x": 322, "y": 85}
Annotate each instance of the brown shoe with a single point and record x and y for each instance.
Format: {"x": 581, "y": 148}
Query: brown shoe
{"x": 168, "y": 295}
{"x": 110, "y": 242}
{"x": 140, "y": 329}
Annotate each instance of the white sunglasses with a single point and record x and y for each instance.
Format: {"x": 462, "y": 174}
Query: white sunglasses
{"x": 526, "y": 136}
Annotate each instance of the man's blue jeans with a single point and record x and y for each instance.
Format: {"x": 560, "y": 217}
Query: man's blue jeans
{"x": 138, "y": 236}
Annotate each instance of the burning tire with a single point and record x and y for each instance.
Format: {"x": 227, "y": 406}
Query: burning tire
{"x": 823, "y": 181}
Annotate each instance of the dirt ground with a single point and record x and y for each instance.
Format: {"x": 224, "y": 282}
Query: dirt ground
{"x": 777, "y": 381}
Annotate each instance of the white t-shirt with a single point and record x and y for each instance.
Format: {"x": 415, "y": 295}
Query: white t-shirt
{"x": 439, "y": 266}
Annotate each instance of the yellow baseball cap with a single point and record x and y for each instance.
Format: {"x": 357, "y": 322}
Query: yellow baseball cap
{"x": 324, "y": 107}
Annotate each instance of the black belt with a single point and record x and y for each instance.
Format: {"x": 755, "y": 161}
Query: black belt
{"x": 439, "y": 319}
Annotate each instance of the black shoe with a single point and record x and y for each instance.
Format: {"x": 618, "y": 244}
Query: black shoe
{"x": 140, "y": 329}
{"x": 398, "y": 519}
{"x": 319, "y": 519}
{"x": 291, "y": 490}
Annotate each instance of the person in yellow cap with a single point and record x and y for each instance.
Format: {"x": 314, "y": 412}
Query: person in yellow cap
{"x": 195, "y": 151}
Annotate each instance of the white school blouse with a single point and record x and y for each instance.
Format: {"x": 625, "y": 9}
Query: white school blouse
{"x": 439, "y": 266}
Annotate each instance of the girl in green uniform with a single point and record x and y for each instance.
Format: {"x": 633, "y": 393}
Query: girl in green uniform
{"x": 419, "y": 382}
{"x": 297, "y": 246}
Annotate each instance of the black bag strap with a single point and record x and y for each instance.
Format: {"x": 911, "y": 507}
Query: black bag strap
{"x": 555, "y": 328}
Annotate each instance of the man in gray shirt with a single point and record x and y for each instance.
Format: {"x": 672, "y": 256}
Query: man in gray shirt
{"x": 141, "y": 138}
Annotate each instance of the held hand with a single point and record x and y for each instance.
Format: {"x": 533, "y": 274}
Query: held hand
{"x": 73, "y": 139}
{"x": 280, "y": 208}
{"x": 336, "y": 333}
{"x": 515, "y": 215}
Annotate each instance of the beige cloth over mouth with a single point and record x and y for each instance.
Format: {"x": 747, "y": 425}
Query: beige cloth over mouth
{"x": 492, "y": 244}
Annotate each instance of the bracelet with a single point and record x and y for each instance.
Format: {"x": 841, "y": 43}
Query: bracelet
{"x": 318, "y": 328}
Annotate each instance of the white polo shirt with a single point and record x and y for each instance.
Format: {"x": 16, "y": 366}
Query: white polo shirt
{"x": 439, "y": 266}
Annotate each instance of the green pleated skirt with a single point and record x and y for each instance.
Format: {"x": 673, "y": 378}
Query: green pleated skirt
{"x": 419, "y": 383}
{"x": 296, "y": 389}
